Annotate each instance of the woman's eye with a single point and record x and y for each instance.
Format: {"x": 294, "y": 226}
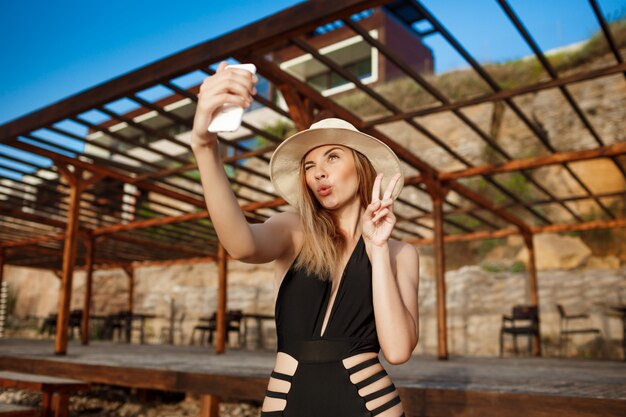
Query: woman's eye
{"x": 332, "y": 156}
{"x": 306, "y": 168}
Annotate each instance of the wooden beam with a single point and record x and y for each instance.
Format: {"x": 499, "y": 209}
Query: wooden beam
{"x": 89, "y": 257}
{"x": 467, "y": 237}
{"x": 36, "y": 218}
{"x": 142, "y": 224}
{"x": 35, "y": 240}
{"x": 222, "y": 282}
{"x": 488, "y": 205}
{"x": 537, "y": 162}
{"x": 535, "y": 230}
{"x": 62, "y": 159}
{"x": 189, "y": 167}
{"x": 69, "y": 257}
{"x": 301, "y": 115}
{"x": 504, "y": 94}
{"x": 143, "y": 264}
{"x": 156, "y": 245}
{"x": 591, "y": 225}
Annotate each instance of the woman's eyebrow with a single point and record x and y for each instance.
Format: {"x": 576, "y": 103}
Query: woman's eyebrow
{"x": 325, "y": 153}
{"x": 332, "y": 149}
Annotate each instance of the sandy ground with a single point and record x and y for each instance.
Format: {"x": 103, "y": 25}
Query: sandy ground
{"x": 106, "y": 401}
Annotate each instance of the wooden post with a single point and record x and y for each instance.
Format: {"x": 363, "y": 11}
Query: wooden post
{"x": 69, "y": 256}
{"x": 437, "y": 194}
{"x": 222, "y": 270}
{"x": 130, "y": 271}
{"x": 532, "y": 283}
{"x": 89, "y": 245}
{"x": 209, "y": 406}
{"x": 2, "y": 260}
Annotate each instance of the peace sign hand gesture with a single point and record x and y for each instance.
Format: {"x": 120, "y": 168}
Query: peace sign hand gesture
{"x": 378, "y": 220}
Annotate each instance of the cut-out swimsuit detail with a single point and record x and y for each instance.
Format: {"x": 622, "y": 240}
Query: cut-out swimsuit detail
{"x": 337, "y": 373}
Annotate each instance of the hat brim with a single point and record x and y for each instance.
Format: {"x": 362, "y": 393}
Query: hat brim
{"x": 286, "y": 160}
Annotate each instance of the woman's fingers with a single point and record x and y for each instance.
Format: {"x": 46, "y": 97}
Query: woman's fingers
{"x": 216, "y": 101}
{"x": 226, "y": 84}
{"x": 371, "y": 209}
{"x": 391, "y": 186}
{"x": 382, "y": 213}
{"x": 236, "y": 80}
{"x": 222, "y": 66}
{"x": 376, "y": 188}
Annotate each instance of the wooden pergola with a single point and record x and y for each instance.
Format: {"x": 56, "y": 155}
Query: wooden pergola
{"x": 122, "y": 188}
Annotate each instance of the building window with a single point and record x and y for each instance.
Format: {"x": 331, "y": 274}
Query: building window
{"x": 330, "y": 79}
{"x": 353, "y": 54}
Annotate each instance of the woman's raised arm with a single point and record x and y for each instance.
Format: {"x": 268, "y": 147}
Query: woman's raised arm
{"x": 249, "y": 243}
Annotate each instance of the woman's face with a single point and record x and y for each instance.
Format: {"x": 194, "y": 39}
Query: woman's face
{"x": 331, "y": 175}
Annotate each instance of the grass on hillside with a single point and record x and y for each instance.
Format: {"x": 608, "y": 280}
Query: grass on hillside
{"x": 464, "y": 83}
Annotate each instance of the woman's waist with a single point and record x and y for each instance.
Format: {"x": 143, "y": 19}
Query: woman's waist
{"x": 326, "y": 348}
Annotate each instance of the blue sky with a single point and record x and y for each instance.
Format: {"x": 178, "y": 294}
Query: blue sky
{"x": 53, "y": 49}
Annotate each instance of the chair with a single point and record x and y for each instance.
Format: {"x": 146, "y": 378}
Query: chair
{"x": 113, "y": 323}
{"x": 565, "y": 331}
{"x": 75, "y": 322}
{"x": 233, "y": 324}
{"x": 76, "y": 319}
{"x": 523, "y": 321}
{"x": 49, "y": 325}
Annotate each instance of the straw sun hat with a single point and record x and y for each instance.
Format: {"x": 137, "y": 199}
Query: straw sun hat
{"x": 287, "y": 158}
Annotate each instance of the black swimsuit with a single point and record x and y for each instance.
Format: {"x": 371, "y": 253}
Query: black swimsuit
{"x": 321, "y": 385}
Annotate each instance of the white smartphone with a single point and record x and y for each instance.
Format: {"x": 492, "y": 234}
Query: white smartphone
{"x": 228, "y": 118}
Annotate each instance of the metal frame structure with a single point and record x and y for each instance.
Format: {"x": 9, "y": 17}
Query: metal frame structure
{"x": 75, "y": 223}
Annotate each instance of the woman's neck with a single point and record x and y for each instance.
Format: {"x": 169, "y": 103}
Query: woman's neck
{"x": 348, "y": 219}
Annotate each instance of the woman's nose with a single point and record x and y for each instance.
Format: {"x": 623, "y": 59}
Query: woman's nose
{"x": 319, "y": 174}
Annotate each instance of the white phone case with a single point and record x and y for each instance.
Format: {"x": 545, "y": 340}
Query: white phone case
{"x": 228, "y": 119}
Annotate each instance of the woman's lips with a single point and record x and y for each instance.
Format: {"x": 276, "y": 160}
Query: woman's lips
{"x": 324, "y": 190}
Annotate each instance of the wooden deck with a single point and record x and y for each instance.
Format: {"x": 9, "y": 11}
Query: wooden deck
{"x": 461, "y": 386}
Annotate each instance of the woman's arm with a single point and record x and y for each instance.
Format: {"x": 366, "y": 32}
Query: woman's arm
{"x": 395, "y": 278}
{"x": 249, "y": 243}
{"x": 395, "y": 299}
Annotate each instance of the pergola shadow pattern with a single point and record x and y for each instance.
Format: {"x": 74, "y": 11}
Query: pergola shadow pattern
{"x": 107, "y": 178}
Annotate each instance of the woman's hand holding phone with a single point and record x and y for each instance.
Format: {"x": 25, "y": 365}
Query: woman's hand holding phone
{"x": 229, "y": 86}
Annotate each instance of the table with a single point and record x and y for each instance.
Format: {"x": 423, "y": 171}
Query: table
{"x": 123, "y": 323}
{"x": 129, "y": 325}
{"x": 56, "y": 391}
{"x": 259, "y": 318}
{"x": 622, "y": 310}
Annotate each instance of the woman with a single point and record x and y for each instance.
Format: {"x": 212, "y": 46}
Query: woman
{"x": 344, "y": 290}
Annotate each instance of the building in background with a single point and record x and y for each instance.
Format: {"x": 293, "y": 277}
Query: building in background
{"x": 354, "y": 54}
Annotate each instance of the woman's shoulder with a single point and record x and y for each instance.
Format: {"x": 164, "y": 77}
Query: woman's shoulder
{"x": 287, "y": 223}
{"x": 404, "y": 250}
{"x": 288, "y": 219}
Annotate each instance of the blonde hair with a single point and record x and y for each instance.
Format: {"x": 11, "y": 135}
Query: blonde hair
{"x": 323, "y": 243}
